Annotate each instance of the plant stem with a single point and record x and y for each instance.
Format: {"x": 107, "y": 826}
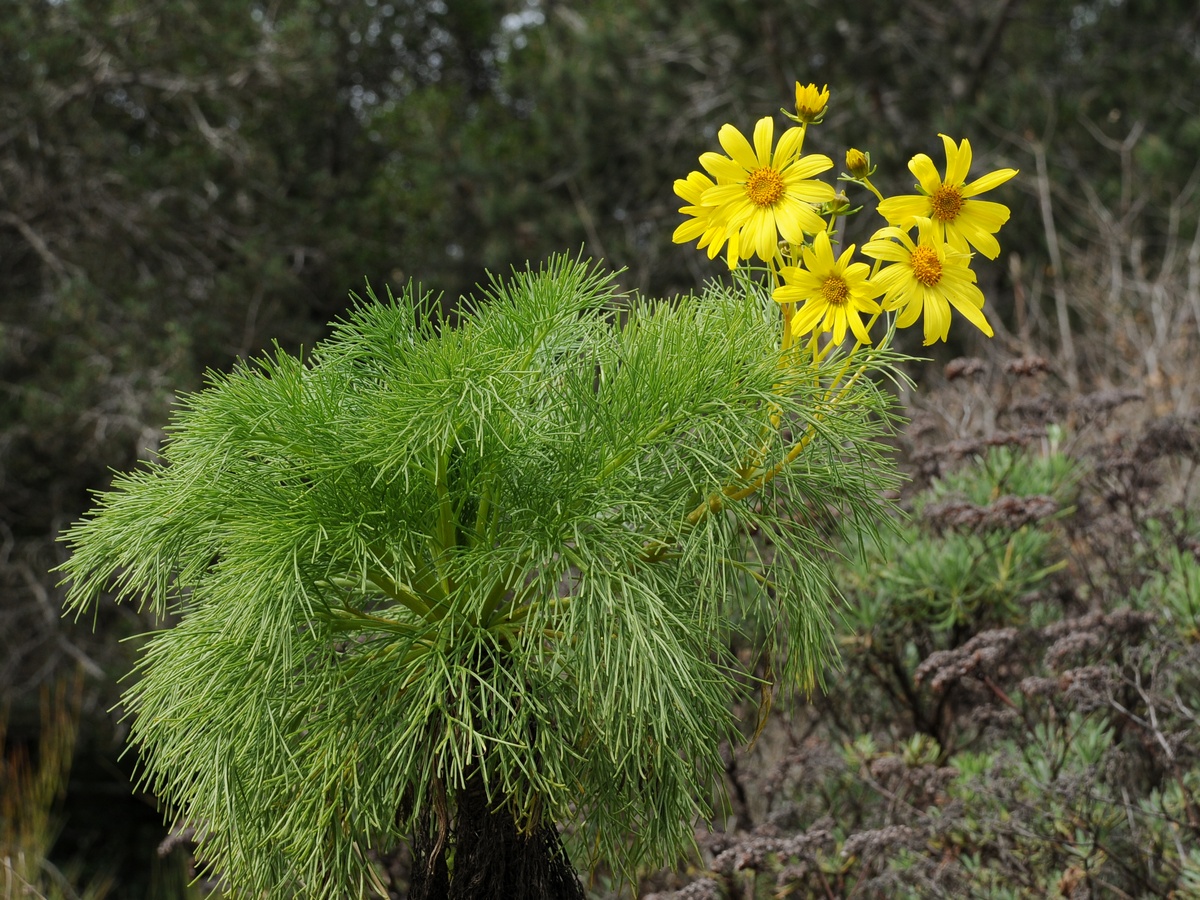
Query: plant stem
{"x": 402, "y": 594}
{"x": 445, "y": 538}
{"x": 717, "y": 499}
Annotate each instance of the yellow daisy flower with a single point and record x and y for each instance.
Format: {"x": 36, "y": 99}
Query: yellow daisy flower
{"x": 928, "y": 276}
{"x": 835, "y": 292}
{"x": 811, "y": 103}
{"x": 760, "y": 194}
{"x": 958, "y": 219}
{"x": 702, "y": 226}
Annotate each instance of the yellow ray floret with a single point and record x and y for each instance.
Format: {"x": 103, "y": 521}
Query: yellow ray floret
{"x": 958, "y": 218}
{"x": 928, "y": 276}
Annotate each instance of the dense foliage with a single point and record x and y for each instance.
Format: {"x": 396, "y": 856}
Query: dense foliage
{"x": 511, "y": 552}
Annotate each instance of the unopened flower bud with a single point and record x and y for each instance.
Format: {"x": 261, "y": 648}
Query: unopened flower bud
{"x": 858, "y": 163}
{"x": 838, "y": 206}
{"x": 810, "y": 103}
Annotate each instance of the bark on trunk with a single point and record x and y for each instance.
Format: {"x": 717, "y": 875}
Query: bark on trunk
{"x": 429, "y": 878}
{"x": 492, "y": 860}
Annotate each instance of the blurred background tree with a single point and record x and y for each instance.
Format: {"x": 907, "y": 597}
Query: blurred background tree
{"x": 182, "y": 183}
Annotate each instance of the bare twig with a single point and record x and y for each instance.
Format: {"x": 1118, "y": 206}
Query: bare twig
{"x": 1067, "y": 343}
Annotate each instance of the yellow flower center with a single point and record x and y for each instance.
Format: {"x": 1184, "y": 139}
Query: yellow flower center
{"x": 947, "y": 203}
{"x": 835, "y": 291}
{"x": 926, "y": 266}
{"x": 764, "y": 187}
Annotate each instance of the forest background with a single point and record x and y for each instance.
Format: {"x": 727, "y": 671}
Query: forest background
{"x": 183, "y": 183}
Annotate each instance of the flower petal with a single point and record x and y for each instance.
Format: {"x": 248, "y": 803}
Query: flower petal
{"x": 892, "y": 280}
{"x": 989, "y": 216}
{"x": 788, "y": 221}
{"x": 902, "y": 210}
{"x": 808, "y": 284}
{"x": 977, "y": 237}
{"x": 723, "y": 168}
{"x": 866, "y": 290}
{"x": 764, "y": 137}
{"x": 688, "y": 231}
{"x": 972, "y": 314}
{"x": 823, "y": 255}
{"x": 912, "y": 300}
{"x": 788, "y": 148}
{"x": 922, "y": 166}
{"x": 839, "y": 325}
{"x": 807, "y": 317}
{"x": 926, "y": 234}
{"x": 844, "y": 260}
{"x": 856, "y": 272}
{"x": 988, "y": 181}
{"x": 689, "y": 190}
{"x": 721, "y": 194}
{"x": 794, "y": 218}
{"x": 810, "y": 192}
{"x": 858, "y": 327}
{"x": 807, "y": 167}
{"x": 952, "y": 237}
{"x": 735, "y": 144}
{"x": 886, "y": 250}
{"x": 788, "y": 293}
{"x": 958, "y": 159}
{"x": 937, "y": 317}
{"x": 960, "y": 282}
{"x": 864, "y": 303}
{"x": 763, "y": 235}
{"x": 733, "y": 254}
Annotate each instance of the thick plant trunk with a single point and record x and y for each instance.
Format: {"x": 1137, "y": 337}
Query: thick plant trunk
{"x": 429, "y": 878}
{"x": 492, "y": 860}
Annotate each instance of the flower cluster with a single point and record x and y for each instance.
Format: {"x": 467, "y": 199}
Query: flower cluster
{"x": 762, "y": 200}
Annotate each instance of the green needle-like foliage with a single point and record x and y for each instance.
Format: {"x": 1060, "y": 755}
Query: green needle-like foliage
{"x": 518, "y": 548}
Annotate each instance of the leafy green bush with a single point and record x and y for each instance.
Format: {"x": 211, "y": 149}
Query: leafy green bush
{"x": 436, "y": 583}
{"x": 965, "y": 560}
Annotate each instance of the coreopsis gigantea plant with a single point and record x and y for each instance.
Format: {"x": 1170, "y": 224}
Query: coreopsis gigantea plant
{"x": 473, "y": 587}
